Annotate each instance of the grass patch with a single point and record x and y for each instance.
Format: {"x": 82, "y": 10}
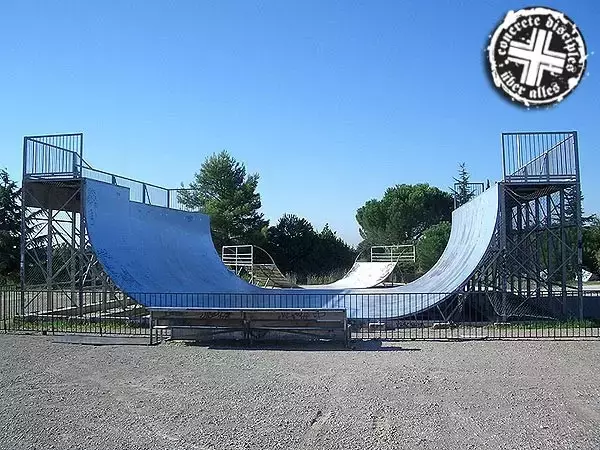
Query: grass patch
{"x": 77, "y": 325}
{"x": 549, "y": 324}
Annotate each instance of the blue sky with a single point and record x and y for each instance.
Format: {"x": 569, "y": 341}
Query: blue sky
{"x": 331, "y": 102}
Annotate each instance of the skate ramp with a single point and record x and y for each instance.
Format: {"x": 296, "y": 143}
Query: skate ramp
{"x": 361, "y": 275}
{"x": 151, "y": 249}
{"x": 269, "y": 275}
{"x": 165, "y": 258}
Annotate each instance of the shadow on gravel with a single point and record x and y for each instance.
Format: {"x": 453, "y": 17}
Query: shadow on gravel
{"x": 100, "y": 340}
{"x": 299, "y": 346}
{"x": 377, "y": 346}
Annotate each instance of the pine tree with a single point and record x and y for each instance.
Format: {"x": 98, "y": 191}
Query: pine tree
{"x": 224, "y": 191}
{"x": 10, "y": 229}
{"x": 462, "y": 190}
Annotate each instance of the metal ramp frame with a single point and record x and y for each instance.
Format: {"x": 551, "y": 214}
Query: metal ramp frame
{"x": 243, "y": 257}
{"x": 400, "y": 253}
{"x": 269, "y": 275}
{"x": 501, "y": 241}
{"x": 393, "y": 253}
{"x": 238, "y": 257}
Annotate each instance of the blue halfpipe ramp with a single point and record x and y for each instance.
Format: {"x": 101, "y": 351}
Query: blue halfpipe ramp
{"x": 165, "y": 258}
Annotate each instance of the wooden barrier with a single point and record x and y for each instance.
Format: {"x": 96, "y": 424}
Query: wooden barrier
{"x": 249, "y": 324}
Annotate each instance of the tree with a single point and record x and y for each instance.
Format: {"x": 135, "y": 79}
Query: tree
{"x": 462, "y": 191}
{"x": 403, "y": 214}
{"x": 291, "y": 243}
{"x": 591, "y": 244}
{"x": 331, "y": 252}
{"x": 224, "y": 191}
{"x": 10, "y": 229}
{"x": 431, "y": 245}
{"x": 299, "y": 249}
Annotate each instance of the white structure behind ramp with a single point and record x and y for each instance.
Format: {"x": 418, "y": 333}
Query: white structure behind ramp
{"x": 393, "y": 253}
{"x": 362, "y": 275}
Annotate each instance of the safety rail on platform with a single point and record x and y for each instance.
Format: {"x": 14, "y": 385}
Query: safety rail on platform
{"x": 257, "y": 263}
{"x": 547, "y": 157}
{"x": 465, "y": 315}
{"x": 60, "y": 157}
{"x": 236, "y": 256}
{"x": 464, "y": 192}
{"x": 393, "y": 253}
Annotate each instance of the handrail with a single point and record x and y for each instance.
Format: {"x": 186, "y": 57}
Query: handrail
{"x": 60, "y": 161}
{"x": 131, "y": 179}
{"x": 244, "y": 256}
{"x": 545, "y": 153}
{"x": 88, "y": 166}
{"x": 54, "y": 135}
{"x": 400, "y": 254}
{"x": 266, "y": 253}
{"x": 53, "y": 146}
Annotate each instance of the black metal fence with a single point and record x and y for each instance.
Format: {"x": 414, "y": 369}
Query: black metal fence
{"x": 472, "y": 315}
{"x": 62, "y": 312}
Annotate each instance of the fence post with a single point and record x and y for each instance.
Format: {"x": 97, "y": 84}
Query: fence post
{"x": 74, "y": 162}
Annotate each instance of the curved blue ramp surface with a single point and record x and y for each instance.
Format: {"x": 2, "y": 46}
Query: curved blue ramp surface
{"x": 165, "y": 258}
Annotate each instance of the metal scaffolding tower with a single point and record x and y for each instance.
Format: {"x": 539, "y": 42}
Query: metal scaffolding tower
{"x": 58, "y": 266}
{"x": 534, "y": 269}
{"x": 57, "y": 260}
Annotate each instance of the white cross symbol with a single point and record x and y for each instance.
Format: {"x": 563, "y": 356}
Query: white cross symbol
{"x": 536, "y": 58}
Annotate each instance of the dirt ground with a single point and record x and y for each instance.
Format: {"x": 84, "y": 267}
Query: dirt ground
{"x": 425, "y": 395}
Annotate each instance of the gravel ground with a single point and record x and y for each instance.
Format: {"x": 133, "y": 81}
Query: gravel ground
{"x": 426, "y": 395}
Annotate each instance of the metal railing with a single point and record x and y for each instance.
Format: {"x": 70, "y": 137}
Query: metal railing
{"x": 540, "y": 157}
{"x": 56, "y": 312}
{"x": 140, "y": 192}
{"x": 53, "y": 156}
{"x": 464, "y": 192}
{"x": 238, "y": 255}
{"x": 60, "y": 157}
{"x": 468, "y": 315}
{"x": 393, "y": 253}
